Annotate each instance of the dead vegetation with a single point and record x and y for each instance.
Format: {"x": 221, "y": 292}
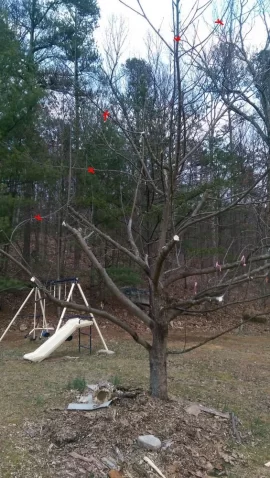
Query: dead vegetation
{"x": 40, "y": 438}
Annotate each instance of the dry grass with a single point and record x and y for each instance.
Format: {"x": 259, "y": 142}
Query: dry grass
{"x": 231, "y": 374}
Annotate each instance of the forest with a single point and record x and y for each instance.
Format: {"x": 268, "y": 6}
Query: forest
{"x": 152, "y": 173}
{"x": 141, "y": 181}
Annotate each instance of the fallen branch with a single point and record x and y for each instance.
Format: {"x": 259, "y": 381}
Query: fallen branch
{"x": 127, "y": 394}
{"x": 153, "y": 466}
{"x": 214, "y": 412}
{"x": 80, "y": 457}
{"x": 235, "y": 431}
{"x": 91, "y": 460}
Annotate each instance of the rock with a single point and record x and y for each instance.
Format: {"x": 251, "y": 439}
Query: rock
{"x": 64, "y": 435}
{"x": 167, "y": 443}
{"x": 150, "y": 442}
{"x": 194, "y": 409}
{"x": 23, "y": 328}
{"x": 209, "y": 466}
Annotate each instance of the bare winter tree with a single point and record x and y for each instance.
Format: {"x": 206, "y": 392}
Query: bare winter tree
{"x": 164, "y": 134}
{"x": 240, "y": 77}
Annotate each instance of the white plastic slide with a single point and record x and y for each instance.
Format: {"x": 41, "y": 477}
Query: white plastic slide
{"x": 48, "y": 347}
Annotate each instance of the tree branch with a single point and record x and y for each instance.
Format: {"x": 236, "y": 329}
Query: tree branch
{"x": 148, "y": 21}
{"x": 164, "y": 252}
{"x": 136, "y": 259}
{"x": 179, "y": 352}
{"x": 108, "y": 281}
{"x": 81, "y": 307}
{"x": 166, "y": 249}
{"x": 220, "y": 211}
{"x": 129, "y": 228}
{"x": 208, "y": 270}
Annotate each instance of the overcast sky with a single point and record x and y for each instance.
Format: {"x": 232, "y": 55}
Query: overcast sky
{"x": 159, "y": 12}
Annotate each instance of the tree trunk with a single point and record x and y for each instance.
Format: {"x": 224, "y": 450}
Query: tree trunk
{"x": 28, "y": 226}
{"x": 77, "y": 130}
{"x": 158, "y": 362}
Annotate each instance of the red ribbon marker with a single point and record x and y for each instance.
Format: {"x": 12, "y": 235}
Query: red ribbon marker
{"x": 38, "y": 217}
{"x": 91, "y": 170}
{"x": 177, "y": 38}
{"x": 219, "y": 22}
{"x": 106, "y": 115}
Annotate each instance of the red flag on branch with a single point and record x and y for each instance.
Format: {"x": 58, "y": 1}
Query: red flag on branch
{"x": 177, "y": 38}
{"x": 38, "y": 217}
{"x": 91, "y": 170}
{"x": 106, "y": 115}
{"x": 219, "y": 22}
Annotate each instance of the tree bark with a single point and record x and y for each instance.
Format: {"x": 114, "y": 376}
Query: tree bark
{"x": 28, "y": 226}
{"x": 158, "y": 362}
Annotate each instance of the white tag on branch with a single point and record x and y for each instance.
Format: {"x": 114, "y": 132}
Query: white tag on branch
{"x": 176, "y": 238}
{"x": 220, "y": 298}
{"x": 243, "y": 261}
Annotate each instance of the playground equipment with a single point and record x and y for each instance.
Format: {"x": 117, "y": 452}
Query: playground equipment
{"x": 44, "y": 328}
{"x": 48, "y": 347}
{"x": 55, "y": 288}
{"x": 140, "y": 297}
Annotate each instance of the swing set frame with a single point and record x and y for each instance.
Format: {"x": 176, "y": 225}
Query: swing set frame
{"x": 54, "y": 287}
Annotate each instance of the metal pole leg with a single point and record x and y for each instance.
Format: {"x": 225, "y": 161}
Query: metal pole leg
{"x": 92, "y": 317}
{"x": 15, "y": 316}
{"x": 64, "y": 310}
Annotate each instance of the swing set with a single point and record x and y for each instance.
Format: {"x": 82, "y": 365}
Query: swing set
{"x": 56, "y": 288}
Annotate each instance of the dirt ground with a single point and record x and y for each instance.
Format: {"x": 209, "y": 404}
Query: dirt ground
{"x": 41, "y": 439}
{"x": 38, "y": 434}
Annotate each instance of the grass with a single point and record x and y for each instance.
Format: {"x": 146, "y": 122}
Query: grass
{"x": 115, "y": 380}
{"x": 231, "y": 377}
{"x": 77, "y": 384}
{"x": 40, "y": 400}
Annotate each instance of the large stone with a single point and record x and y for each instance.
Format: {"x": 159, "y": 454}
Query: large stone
{"x": 150, "y": 442}
{"x": 193, "y": 409}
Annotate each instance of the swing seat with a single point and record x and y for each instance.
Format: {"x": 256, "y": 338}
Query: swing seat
{"x": 45, "y": 333}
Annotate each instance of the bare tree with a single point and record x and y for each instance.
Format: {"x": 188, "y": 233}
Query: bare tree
{"x": 161, "y": 153}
